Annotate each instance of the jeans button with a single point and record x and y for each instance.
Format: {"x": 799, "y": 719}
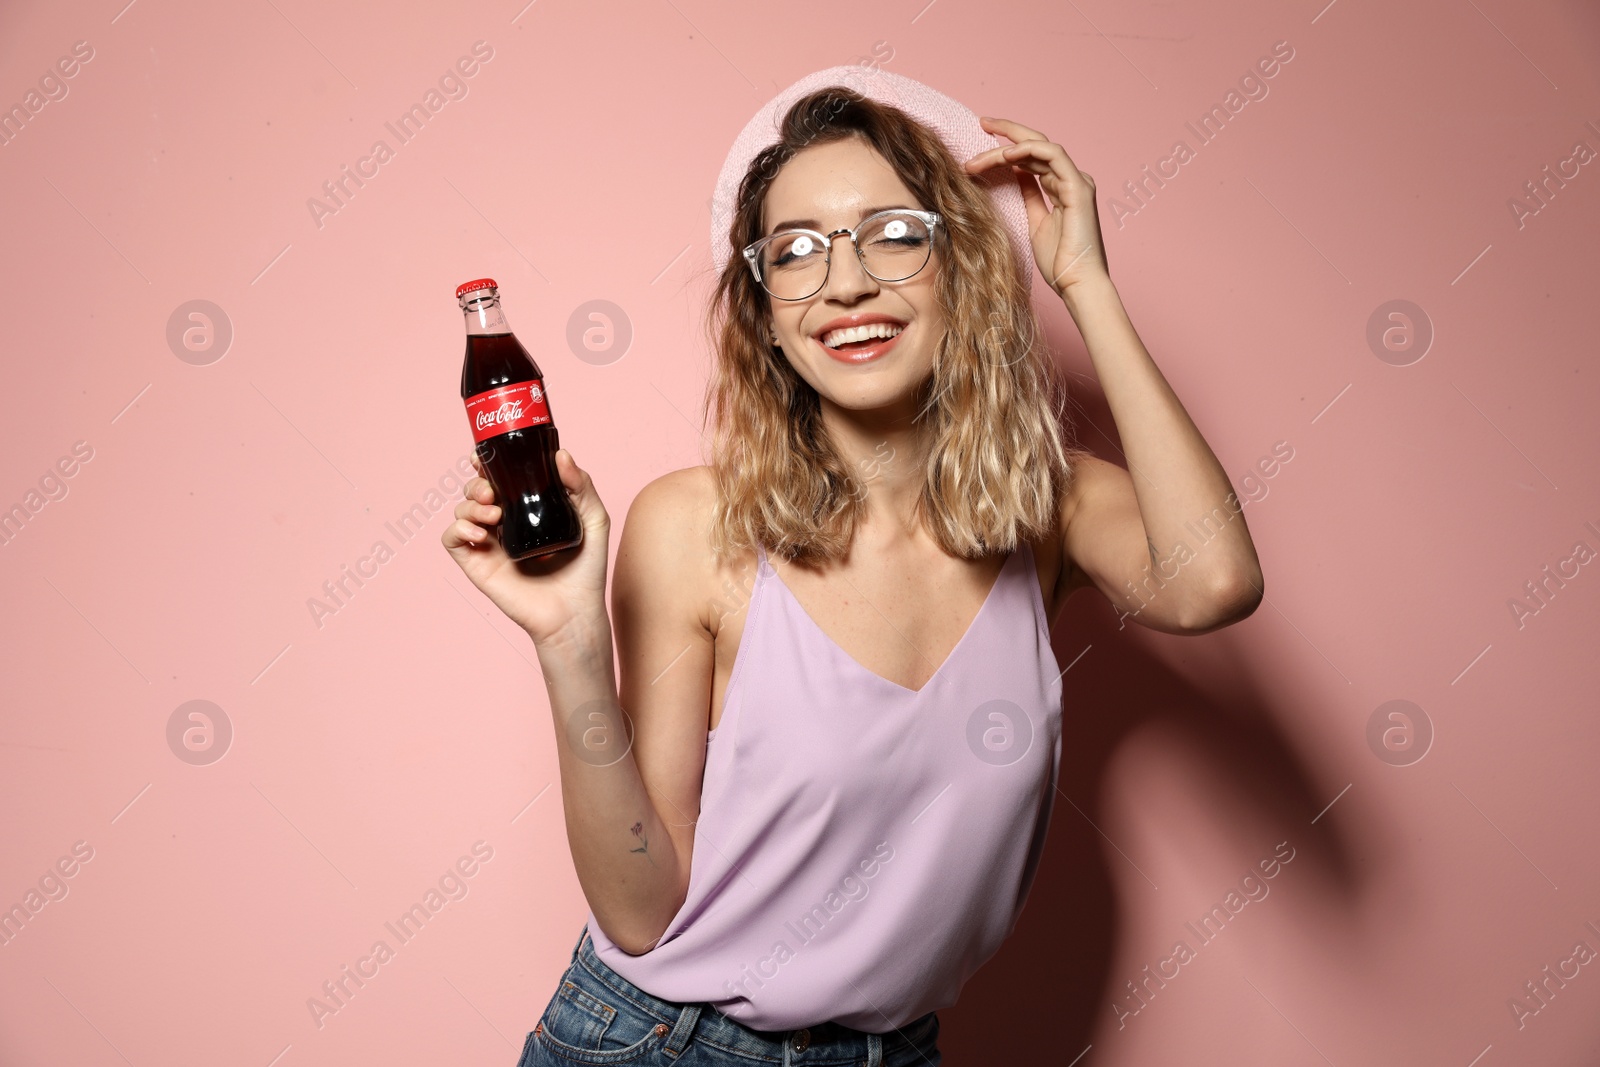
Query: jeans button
{"x": 802, "y": 1041}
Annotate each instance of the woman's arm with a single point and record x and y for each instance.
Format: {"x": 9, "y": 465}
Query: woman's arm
{"x": 1134, "y": 537}
{"x": 631, "y": 809}
{"x": 630, "y": 781}
{"x": 1167, "y": 543}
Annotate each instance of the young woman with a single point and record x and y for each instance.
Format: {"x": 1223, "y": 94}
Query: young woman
{"x": 818, "y": 805}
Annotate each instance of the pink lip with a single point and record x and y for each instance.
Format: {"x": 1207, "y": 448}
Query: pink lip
{"x": 865, "y": 355}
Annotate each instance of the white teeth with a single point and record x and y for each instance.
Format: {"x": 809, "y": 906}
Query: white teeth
{"x": 835, "y": 338}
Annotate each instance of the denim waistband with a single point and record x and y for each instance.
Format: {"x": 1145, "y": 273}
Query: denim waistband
{"x": 825, "y": 1043}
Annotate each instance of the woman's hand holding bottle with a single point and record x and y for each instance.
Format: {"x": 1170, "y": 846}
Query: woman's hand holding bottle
{"x": 555, "y": 598}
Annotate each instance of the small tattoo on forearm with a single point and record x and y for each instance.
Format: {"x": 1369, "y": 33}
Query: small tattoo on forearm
{"x": 644, "y": 842}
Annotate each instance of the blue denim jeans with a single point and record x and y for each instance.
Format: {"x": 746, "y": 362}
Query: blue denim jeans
{"x": 598, "y": 1016}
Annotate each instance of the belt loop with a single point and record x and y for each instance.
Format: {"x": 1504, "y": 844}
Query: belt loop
{"x": 579, "y": 946}
{"x": 683, "y": 1032}
{"x": 874, "y": 1050}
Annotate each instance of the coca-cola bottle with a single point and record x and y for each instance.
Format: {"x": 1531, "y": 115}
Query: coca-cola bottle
{"x": 515, "y": 437}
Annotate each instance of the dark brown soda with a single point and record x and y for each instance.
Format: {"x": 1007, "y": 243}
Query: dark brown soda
{"x": 537, "y": 518}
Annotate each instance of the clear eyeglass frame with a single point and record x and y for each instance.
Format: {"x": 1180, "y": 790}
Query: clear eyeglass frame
{"x": 752, "y": 252}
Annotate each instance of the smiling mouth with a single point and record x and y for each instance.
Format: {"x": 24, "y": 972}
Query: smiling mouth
{"x": 860, "y": 338}
{"x": 854, "y": 349}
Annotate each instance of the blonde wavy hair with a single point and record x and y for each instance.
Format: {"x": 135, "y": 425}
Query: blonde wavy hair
{"x": 993, "y": 408}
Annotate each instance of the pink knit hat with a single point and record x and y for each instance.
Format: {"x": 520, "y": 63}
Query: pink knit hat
{"x": 953, "y": 122}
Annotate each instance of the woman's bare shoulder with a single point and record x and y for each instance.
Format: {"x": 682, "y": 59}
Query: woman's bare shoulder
{"x": 665, "y": 539}
{"x": 687, "y": 484}
{"x": 679, "y": 500}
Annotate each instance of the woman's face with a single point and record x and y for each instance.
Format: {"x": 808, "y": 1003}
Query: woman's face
{"x": 830, "y": 187}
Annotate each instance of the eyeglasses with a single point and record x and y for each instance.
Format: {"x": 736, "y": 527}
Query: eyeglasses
{"x": 892, "y": 246}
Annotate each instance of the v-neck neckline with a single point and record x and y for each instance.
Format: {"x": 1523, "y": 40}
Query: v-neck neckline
{"x": 863, "y": 668}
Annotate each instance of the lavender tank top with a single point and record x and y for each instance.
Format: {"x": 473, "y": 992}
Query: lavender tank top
{"x": 862, "y": 847}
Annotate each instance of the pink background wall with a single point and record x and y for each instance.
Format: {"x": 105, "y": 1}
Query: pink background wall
{"x": 371, "y": 752}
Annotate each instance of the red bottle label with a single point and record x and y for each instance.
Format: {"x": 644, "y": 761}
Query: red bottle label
{"x": 506, "y": 408}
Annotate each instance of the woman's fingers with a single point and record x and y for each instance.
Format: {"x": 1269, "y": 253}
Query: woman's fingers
{"x": 572, "y": 476}
{"x": 461, "y": 532}
{"x": 476, "y": 512}
{"x": 1044, "y": 158}
{"x": 1045, "y": 154}
{"x": 474, "y": 508}
{"x": 1012, "y": 129}
{"x": 566, "y": 468}
{"x": 584, "y": 497}
{"x": 478, "y": 489}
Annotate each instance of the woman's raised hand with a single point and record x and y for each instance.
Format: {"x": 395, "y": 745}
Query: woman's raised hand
{"x": 1067, "y": 243}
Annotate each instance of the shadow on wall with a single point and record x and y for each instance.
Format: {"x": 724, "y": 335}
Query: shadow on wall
{"x": 1055, "y": 983}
